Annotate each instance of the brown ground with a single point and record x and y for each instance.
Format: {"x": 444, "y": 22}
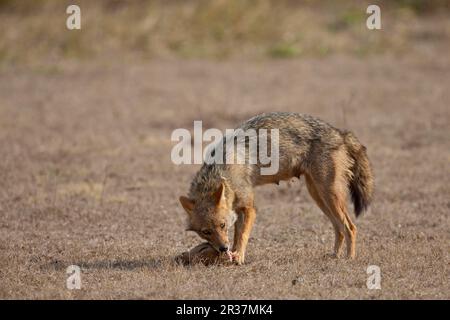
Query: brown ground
{"x": 86, "y": 178}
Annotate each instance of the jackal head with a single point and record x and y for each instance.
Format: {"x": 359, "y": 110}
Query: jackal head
{"x": 210, "y": 218}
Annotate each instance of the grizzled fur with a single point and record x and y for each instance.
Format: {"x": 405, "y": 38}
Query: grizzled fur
{"x": 333, "y": 161}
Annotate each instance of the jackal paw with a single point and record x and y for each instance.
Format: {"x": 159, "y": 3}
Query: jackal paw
{"x": 238, "y": 258}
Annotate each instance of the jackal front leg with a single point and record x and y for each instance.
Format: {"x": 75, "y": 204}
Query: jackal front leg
{"x": 243, "y": 227}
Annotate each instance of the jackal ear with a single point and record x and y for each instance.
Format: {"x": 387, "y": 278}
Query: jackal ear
{"x": 187, "y": 204}
{"x": 219, "y": 195}
{"x": 232, "y": 218}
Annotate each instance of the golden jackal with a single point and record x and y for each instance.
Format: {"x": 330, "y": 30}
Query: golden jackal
{"x": 333, "y": 162}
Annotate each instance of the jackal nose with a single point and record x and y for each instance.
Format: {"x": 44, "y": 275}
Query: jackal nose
{"x": 223, "y": 249}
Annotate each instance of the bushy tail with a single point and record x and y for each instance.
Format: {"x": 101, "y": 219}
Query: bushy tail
{"x": 361, "y": 183}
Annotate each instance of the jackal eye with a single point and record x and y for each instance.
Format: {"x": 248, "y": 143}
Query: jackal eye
{"x": 222, "y": 225}
{"x": 206, "y": 232}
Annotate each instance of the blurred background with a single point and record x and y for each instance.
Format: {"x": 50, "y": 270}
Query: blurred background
{"x": 34, "y": 31}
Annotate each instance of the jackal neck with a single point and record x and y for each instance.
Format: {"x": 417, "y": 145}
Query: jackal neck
{"x": 207, "y": 180}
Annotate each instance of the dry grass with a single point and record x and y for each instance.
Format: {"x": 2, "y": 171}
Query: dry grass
{"x": 35, "y": 32}
{"x": 75, "y": 140}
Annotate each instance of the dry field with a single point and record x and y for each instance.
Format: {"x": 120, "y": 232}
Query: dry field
{"x": 86, "y": 179}
{"x": 85, "y": 125}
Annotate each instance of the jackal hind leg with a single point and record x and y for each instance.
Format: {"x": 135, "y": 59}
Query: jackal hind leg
{"x": 335, "y": 198}
{"x": 338, "y": 208}
{"x": 338, "y": 234}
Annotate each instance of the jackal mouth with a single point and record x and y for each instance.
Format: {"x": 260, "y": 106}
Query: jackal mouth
{"x": 229, "y": 255}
